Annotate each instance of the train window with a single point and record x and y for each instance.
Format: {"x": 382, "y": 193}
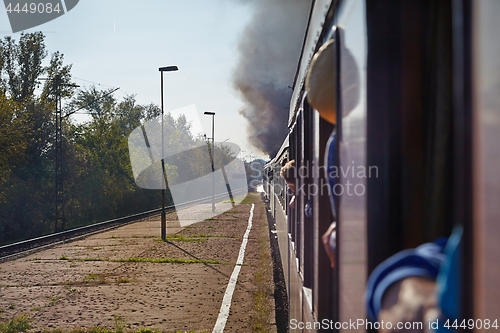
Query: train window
{"x": 418, "y": 126}
{"x": 306, "y": 163}
{"x": 409, "y": 126}
{"x": 325, "y": 292}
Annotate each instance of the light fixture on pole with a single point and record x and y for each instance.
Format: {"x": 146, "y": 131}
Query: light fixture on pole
{"x": 163, "y": 215}
{"x": 212, "y": 155}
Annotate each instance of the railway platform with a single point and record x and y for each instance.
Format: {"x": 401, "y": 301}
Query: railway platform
{"x": 129, "y": 278}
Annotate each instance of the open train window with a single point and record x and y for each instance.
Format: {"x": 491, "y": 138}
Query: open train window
{"x": 418, "y": 134}
{"x": 410, "y": 128}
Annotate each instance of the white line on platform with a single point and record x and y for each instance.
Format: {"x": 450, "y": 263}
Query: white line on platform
{"x": 228, "y": 295}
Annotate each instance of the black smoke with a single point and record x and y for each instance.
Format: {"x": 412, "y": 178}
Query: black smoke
{"x": 270, "y": 48}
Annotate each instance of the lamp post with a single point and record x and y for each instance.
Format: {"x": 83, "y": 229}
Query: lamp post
{"x": 212, "y": 155}
{"x": 163, "y": 216}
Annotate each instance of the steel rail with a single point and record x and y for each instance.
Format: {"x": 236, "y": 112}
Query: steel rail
{"x": 24, "y": 247}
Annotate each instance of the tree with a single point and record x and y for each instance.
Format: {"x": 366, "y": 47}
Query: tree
{"x": 56, "y": 67}
{"x": 12, "y": 141}
{"x": 27, "y": 135}
{"x": 23, "y": 64}
{"x": 98, "y": 179}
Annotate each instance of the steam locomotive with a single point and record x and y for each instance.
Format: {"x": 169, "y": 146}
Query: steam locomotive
{"x": 416, "y": 93}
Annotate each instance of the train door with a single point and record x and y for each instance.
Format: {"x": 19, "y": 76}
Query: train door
{"x": 352, "y": 170}
{"x": 485, "y": 55}
{"x": 432, "y": 131}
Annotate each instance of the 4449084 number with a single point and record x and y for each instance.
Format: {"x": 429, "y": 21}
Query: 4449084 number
{"x": 33, "y": 8}
{"x": 472, "y": 324}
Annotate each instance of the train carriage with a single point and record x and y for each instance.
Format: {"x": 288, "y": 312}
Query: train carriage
{"x": 416, "y": 86}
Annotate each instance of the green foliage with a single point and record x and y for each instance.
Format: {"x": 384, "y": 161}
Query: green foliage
{"x": 16, "y": 325}
{"x": 98, "y": 179}
{"x": 119, "y": 328}
{"x": 172, "y": 261}
{"x": 22, "y": 62}
{"x": 146, "y": 330}
{"x": 119, "y": 323}
{"x": 26, "y": 132}
{"x": 181, "y": 238}
{"x": 54, "y": 300}
{"x": 12, "y": 142}
{"x": 263, "y": 281}
{"x": 124, "y": 280}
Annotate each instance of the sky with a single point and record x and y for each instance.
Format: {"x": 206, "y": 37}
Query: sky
{"x": 122, "y": 43}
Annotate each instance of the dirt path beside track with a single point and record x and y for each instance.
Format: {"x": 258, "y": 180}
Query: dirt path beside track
{"x": 129, "y": 277}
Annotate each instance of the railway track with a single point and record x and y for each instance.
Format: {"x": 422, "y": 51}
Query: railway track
{"x": 14, "y": 250}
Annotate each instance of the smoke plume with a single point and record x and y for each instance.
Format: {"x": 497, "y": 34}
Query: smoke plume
{"x": 269, "y": 50}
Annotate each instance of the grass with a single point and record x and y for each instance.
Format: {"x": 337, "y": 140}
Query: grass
{"x": 77, "y": 259}
{"x": 119, "y": 327}
{"x": 22, "y": 323}
{"x": 99, "y": 329}
{"x": 54, "y": 300}
{"x": 101, "y": 279}
{"x": 194, "y": 238}
{"x": 263, "y": 279}
{"x": 71, "y": 290}
{"x": 96, "y": 329}
{"x": 91, "y": 259}
{"x": 124, "y": 280}
{"x": 67, "y": 283}
{"x": 36, "y": 309}
{"x": 119, "y": 323}
{"x": 229, "y": 212}
{"x": 236, "y": 199}
{"x": 172, "y": 261}
{"x": 17, "y": 324}
{"x": 180, "y": 238}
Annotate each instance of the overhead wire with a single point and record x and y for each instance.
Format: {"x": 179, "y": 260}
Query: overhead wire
{"x": 94, "y": 83}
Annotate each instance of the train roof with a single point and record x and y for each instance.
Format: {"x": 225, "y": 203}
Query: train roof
{"x": 283, "y": 149}
{"x": 314, "y": 33}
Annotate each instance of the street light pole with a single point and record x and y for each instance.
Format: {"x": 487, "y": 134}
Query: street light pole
{"x": 212, "y": 155}
{"x": 163, "y": 214}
